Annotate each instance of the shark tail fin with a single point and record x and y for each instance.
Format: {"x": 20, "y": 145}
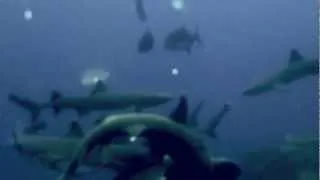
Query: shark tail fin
{"x": 55, "y": 95}
{"x": 197, "y": 38}
{"x": 215, "y": 121}
{"x": 31, "y": 106}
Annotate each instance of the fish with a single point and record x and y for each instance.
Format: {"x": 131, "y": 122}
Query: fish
{"x": 180, "y": 115}
{"x": 181, "y": 39}
{"x": 165, "y": 137}
{"x": 109, "y": 101}
{"x": 141, "y": 13}
{"x": 297, "y": 68}
{"x": 297, "y": 156}
{"x": 146, "y": 42}
{"x": 55, "y": 152}
{"x": 98, "y": 99}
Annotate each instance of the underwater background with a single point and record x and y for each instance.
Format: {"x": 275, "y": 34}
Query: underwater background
{"x": 245, "y": 41}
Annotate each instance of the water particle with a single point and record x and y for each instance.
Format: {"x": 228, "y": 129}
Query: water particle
{"x": 28, "y": 14}
{"x": 175, "y": 71}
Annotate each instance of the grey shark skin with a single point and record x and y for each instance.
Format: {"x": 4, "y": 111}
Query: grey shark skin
{"x": 181, "y": 39}
{"x": 107, "y": 101}
{"x": 298, "y": 68}
{"x": 288, "y": 161}
{"x": 98, "y": 99}
{"x": 164, "y": 137}
{"x": 180, "y": 115}
{"x": 54, "y": 151}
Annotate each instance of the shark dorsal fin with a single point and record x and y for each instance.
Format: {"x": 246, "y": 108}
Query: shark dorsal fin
{"x": 180, "y": 113}
{"x": 295, "y": 56}
{"x": 55, "y": 95}
{"x": 75, "y": 130}
{"x": 100, "y": 87}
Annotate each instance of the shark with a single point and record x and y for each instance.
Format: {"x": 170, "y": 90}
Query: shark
{"x": 298, "y": 68}
{"x": 98, "y": 99}
{"x": 181, "y": 115}
{"x": 166, "y": 136}
{"x": 35, "y": 124}
{"x": 297, "y": 155}
{"x": 55, "y": 152}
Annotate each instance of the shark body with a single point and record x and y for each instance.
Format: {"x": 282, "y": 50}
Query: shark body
{"x": 54, "y": 152}
{"x": 298, "y": 68}
{"x": 99, "y": 99}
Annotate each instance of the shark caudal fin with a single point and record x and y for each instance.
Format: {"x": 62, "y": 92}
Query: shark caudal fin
{"x": 55, "y": 95}
{"x": 295, "y": 56}
{"x": 31, "y": 106}
{"x": 180, "y": 113}
{"x": 100, "y": 87}
{"x": 215, "y": 121}
{"x": 194, "y": 116}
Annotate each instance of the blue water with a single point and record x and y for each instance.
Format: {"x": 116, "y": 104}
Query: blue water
{"x": 245, "y": 41}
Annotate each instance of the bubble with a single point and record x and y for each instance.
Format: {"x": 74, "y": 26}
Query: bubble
{"x": 174, "y": 71}
{"x": 177, "y": 4}
{"x": 28, "y": 14}
{"x": 92, "y": 76}
{"x": 133, "y": 138}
